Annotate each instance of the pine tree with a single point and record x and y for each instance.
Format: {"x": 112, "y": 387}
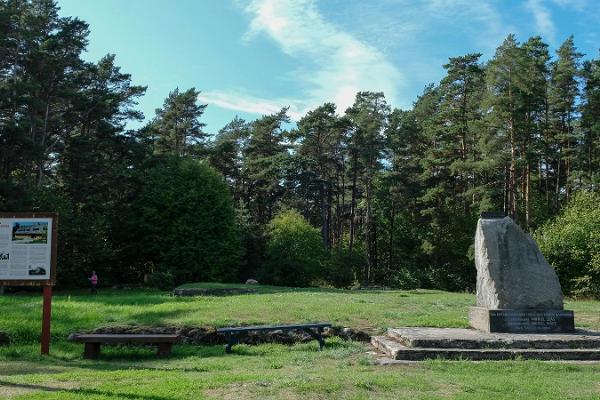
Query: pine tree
{"x": 535, "y": 126}
{"x": 589, "y": 154}
{"x": 564, "y": 90}
{"x": 177, "y": 127}
{"x": 368, "y": 116}
{"x": 265, "y": 156}
{"x": 506, "y": 77}
{"x": 226, "y": 154}
{"x": 320, "y": 135}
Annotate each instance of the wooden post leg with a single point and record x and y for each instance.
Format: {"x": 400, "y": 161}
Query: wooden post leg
{"x": 164, "y": 349}
{"x": 91, "y": 350}
{"x": 230, "y": 343}
{"x": 320, "y": 338}
{"x": 46, "y": 314}
{"x": 317, "y": 335}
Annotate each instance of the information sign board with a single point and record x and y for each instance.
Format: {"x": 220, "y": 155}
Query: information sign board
{"x": 28, "y": 249}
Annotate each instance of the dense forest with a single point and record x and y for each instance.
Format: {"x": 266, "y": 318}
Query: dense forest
{"x": 391, "y": 195}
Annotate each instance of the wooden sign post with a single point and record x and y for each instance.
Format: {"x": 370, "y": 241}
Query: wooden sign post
{"x": 28, "y": 258}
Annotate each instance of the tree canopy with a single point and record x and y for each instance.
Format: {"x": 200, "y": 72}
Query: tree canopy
{"x": 395, "y": 193}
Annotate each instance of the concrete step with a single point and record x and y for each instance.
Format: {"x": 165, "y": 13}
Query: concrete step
{"x": 452, "y": 338}
{"x": 398, "y": 351}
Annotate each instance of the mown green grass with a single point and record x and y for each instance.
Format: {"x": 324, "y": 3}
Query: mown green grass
{"x": 342, "y": 370}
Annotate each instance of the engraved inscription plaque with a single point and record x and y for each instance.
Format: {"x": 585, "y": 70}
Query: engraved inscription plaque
{"x": 522, "y": 321}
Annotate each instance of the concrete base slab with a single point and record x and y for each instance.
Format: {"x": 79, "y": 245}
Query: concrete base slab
{"x": 398, "y": 351}
{"x": 453, "y": 344}
{"x": 474, "y": 339}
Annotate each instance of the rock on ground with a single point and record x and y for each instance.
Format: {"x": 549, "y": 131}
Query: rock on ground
{"x": 511, "y": 271}
{"x": 209, "y": 335}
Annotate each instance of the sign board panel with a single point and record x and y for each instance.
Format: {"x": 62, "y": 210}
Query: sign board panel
{"x": 28, "y": 249}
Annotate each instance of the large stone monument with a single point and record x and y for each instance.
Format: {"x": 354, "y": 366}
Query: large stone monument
{"x": 517, "y": 290}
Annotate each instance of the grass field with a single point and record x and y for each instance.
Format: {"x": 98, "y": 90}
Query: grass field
{"x": 342, "y": 370}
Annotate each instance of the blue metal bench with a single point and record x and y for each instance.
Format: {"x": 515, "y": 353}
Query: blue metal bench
{"x": 315, "y": 330}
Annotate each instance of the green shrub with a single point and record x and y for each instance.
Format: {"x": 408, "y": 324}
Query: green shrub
{"x": 162, "y": 280}
{"x": 294, "y": 253}
{"x": 186, "y": 223}
{"x": 343, "y": 266}
{"x": 571, "y": 243}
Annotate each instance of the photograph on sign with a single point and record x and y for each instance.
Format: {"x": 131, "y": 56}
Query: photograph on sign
{"x": 25, "y": 248}
{"x": 35, "y": 232}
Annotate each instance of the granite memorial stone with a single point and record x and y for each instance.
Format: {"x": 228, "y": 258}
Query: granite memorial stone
{"x": 517, "y": 290}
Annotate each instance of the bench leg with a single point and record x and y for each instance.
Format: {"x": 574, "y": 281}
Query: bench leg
{"x": 317, "y": 335}
{"x": 163, "y": 349}
{"x": 320, "y": 338}
{"x": 91, "y": 350}
{"x": 231, "y": 340}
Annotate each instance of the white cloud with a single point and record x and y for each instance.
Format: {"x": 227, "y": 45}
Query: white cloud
{"x": 339, "y": 64}
{"x": 341, "y": 47}
{"x": 334, "y": 64}
{"x": 543, "y": 19}
{"x": 578, "y": 5}
{"x": 240, "y": 101}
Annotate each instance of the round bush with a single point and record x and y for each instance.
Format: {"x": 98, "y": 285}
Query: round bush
{"x": 187, "y": 223}
{"x": 571, "y": 243}
{"x": 294, "y": 252}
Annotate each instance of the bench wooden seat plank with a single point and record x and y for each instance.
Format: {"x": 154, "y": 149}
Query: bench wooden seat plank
{"x": 93, "y": 342}
{"x": 273, "y": 327}
{"x": 315, "y": 330}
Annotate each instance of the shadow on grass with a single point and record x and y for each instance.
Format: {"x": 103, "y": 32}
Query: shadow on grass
{"x": 118, "y": 297}
{"x": 86, "y": 392}
{"x": 148, "y": 296}
{"x": 10, "y": 370}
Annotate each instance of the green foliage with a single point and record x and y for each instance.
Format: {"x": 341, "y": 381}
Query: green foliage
{"x": 294, "y": 252}
{"x": 186, "y": 223}
{"x": 518, "y": 134}
{"x": 571, "y": 243}
{"x": 162, "y": 280}
{"x": 177, "y": 129}
{"x": 344, "y": 265}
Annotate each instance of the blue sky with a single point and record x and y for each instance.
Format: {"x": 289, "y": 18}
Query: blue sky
{"x": 252, "y": 57}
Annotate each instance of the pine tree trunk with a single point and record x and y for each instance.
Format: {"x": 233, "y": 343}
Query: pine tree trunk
{"x": 369, "y": 234}
{"x": 512, "y": 185}
{"x": 568, "y": 158}
{"x": 391, "y": 240}
{"x": 329, "y": 218}
{"x": 343, "y": 209}
{"x": 527, "y": 189}
{"x": 505, "y": 206}
{"x": 353, "y": 206}
{"x": 557, "y": 188}
{"x": 324, "y": 219}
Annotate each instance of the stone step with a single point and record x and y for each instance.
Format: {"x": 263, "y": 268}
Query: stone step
{"x": 474, "y": 339}
{"x": 398, "y": 351}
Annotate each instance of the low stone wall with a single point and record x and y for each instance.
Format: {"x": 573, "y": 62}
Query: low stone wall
{"x": 211, "y": 291}
{"x": 209, "y": 336}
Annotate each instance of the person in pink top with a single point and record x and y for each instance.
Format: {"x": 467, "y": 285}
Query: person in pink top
{"x": 94, "y": 281}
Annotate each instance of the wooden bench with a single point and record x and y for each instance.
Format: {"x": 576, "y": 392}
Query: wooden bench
{"x": 93, "y": 341}
{"x": 314, "y": 330}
